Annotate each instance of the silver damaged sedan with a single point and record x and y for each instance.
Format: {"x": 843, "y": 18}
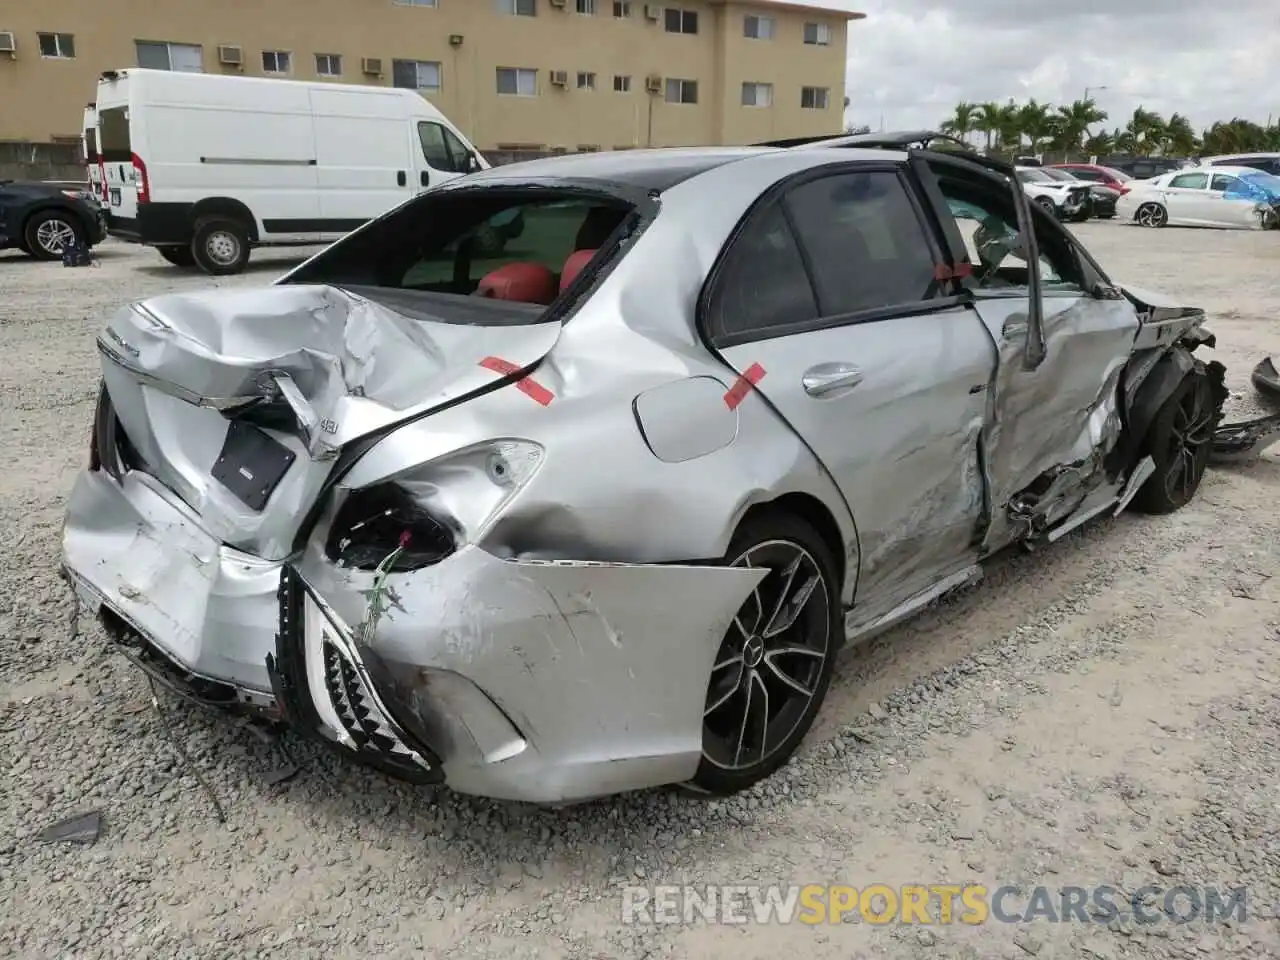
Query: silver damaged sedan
{"x": 571, "y": 477}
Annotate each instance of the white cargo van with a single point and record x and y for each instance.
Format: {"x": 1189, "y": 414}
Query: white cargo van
{"x": 204, "y": 167}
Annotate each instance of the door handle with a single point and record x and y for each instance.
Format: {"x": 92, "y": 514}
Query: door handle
{"x": 424, "y": 178}
{"x": 401, "y": 179}
{"x": 828, "y": 377}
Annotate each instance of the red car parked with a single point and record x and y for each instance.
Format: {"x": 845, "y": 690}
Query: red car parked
{"x": 1096, "y": 173}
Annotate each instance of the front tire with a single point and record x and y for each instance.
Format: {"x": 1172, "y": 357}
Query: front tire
{"x": 178, "y": 256}
{"x": 49, "y": 232}
{"x": 1152, "y": 215}
{"x": 774, "y": 665}
{"x": 220, "y": 246}
{"x": 1179, "y": 441}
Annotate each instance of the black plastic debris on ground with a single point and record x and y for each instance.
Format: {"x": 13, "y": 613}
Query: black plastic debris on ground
{"x": 83, "y": 828}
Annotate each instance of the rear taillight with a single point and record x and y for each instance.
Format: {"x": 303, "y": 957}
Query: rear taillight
{"x": 102, "y": 187}
{"x": 144, "y": 185}
{"x": 384, "y": 527}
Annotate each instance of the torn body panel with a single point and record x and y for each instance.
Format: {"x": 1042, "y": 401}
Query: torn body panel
{"x": 1048, "y": 429}
{"x": 179, "y": 369}
{"x": 618, "y": 653}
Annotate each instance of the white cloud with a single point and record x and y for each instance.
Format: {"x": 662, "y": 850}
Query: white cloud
{"x": 911, "y": 61}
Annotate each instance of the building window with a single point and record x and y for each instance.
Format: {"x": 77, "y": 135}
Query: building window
{"x": 275, "y": 61}
{"x": 621, "y": 84}
{"x": 518, "y": 8}
{"x": 817, "y": 33}
{"x": 517, "y": 82}
{"x": 328, "y": 64}
{"x": 587, "y": 7}
{"x": 179, "y": 57}
{"x": 586, "y": 81}
{"x": 814, "y": 98}
{"x": 681, "y": 21}
{"x": 758, "y": 28}
{"x": 58, "y": 46}
{"x": 423, "y": 75}
{"x": 682, "y": 91}
{"x": 417, "y": 3}
{"x": 757, "y": 94}
{"x": 622, "y": 9}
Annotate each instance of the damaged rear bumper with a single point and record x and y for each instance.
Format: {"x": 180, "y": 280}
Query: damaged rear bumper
{"x": 523, "y": 680}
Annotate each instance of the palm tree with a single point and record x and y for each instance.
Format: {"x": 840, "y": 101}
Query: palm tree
{"x": 1101, "y": 144}
{"x": 1009, "y": 127}
{"x": 1147, "y": 130}
{"x": 1076, "y": 120}
{"x": 988, "y": 121}
{"x": 963, "y": 122}
{"x": 1179, "y": 137}
{"x": 1034, "y": 121}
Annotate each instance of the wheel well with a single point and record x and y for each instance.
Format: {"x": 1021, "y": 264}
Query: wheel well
{"x": 814, "y": 512}
{"x": 226, "y": 207}
{"x": 54, "y": 207}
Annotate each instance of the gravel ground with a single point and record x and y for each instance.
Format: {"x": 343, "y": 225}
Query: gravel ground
{"x": 1104, "y": 712}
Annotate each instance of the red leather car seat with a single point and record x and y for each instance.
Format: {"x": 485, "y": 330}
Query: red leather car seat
{"x": 522, "y": 282}
{"x": 573, "y": 266}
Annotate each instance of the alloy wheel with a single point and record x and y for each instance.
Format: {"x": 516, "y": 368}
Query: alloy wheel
{"x": 768, "y": 668}
{"x": 1151, "y": 215}
{"x": 1189, "y": 440}
{"x": 54, "y": 236}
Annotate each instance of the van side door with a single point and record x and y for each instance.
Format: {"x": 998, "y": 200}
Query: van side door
{"x": 441, "y": 154}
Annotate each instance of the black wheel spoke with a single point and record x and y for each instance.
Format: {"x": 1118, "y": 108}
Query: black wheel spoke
{"x": 771, "y": 662}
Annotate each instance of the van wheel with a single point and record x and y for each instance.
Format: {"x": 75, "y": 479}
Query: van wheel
{"x": 178, "y": 256}
{"x": 220, "y": 246}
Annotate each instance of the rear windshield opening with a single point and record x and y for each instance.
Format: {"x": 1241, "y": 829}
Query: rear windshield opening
{"x": 498, "y": 244}
{"x": 113, "y": 126}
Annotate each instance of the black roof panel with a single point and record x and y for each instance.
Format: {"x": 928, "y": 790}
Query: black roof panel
{"x": 657, "y": 170}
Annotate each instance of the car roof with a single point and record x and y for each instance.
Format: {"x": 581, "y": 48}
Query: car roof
{"x": 663, "y": 168}
{"x": 658, "y": 169}
{"x": 1220, "y": 169}
{"x": 1243, "y": 154}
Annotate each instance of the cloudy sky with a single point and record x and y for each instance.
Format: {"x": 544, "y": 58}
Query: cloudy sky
{"x": 911, "y": 61}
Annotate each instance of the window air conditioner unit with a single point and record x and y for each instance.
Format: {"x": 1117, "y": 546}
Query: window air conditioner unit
{"x": 556, "y": 3}
{"x": 653, "y": 83}
{"x": 652, "y": 11}
{"x": 371, "y": 66}
{"x": 230, "y": 56}
{"x": 7, "y": 43}
{"x": 560, "y": 78}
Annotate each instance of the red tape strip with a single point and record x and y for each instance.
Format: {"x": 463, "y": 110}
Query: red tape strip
{"x": 526, "y": 385}
{"x": 945, "y": 272}
{"x": 742, "y": 386}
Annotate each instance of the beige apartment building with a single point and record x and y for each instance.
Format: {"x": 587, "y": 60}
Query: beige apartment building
{"x": 513, "y": 74}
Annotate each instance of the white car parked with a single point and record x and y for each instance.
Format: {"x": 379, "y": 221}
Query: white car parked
{"x": 1065, "y": 199}
{"x": 1235, "y": 197}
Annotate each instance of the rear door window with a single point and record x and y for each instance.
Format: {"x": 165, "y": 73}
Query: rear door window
{"x": 1190, "y": 181}
{"x": 864, "y": 242}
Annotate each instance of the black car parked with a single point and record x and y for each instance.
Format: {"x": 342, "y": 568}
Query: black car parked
{"x": 40, "y": 219}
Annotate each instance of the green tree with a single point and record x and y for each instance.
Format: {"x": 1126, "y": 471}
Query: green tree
{"x": 963, "y": 122}
{"x": 988, "y": 121}
{"x": 1179, "y": 137}
{"x": 1076, "y": 119}
{"x": 1034, "y": 121}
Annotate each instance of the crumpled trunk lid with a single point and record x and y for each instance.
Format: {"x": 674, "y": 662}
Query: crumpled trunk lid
{"x": 240, "y": 401}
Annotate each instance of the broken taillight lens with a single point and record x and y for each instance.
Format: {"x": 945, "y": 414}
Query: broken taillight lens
{"x": 387, "y": 523}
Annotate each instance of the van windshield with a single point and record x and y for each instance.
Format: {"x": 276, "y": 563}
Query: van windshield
{"x": 113, "y": 126}
{"x": 505, "y": 244}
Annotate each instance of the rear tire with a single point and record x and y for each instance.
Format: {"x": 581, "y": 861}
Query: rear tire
{"x": 1179, "y": 440}
{"x": 1047, "y": 206}
{"x": 178, "y": 256}
{"x": 49, "y": 231}
{"x": 779, "y": 651}
{"x": 220, "y": 246}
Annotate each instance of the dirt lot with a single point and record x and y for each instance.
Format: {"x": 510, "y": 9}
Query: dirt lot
{"x": 1105, "y": 712}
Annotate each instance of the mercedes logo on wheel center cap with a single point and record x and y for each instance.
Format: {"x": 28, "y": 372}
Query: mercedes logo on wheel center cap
{"x": 753, "y": 652}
